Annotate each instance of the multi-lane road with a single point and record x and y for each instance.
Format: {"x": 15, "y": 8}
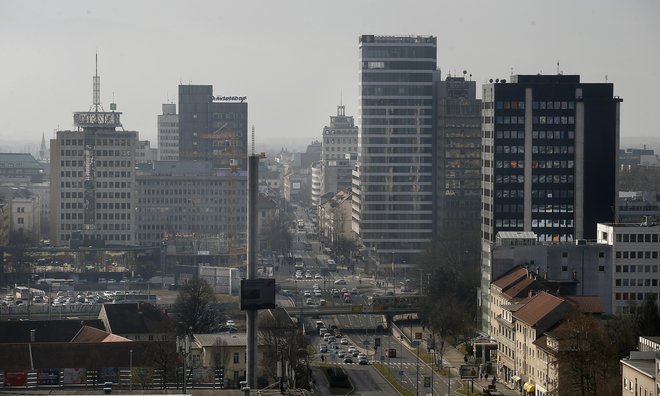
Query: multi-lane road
{"x": 361, "y": 330}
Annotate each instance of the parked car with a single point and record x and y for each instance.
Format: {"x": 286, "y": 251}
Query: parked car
{"x": 363, "y": 361}
{"x": 348, "y": 360}
{"x": 340, "y": 282}
{"x": 323, "y": 348}
{"x": 344, "y": 341}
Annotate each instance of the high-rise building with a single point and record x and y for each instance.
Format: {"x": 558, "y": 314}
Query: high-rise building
{"x": 93, "y": 179}
{"x": 340, "y": 137}
{"x": 212, "y": 128}
{"x": 458, "y": 143}
{"x": 550, "y": 149}
{"x": 393, "y": 204}
{"x": 168, "y": 133}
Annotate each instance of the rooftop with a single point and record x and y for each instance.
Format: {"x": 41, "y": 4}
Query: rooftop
{"x": 537, "y": 308}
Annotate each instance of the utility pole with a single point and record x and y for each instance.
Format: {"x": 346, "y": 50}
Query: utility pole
{"x": 251, "y": 322}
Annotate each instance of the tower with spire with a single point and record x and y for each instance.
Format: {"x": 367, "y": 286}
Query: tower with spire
{"x": 43, "y": 151}
{"x": 92, "y": 178}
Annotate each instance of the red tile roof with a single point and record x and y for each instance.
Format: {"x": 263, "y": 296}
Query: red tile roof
{"x": 586, "y": 304}
{"x": 510, "y": 278}
{"x": 537, "y": 308}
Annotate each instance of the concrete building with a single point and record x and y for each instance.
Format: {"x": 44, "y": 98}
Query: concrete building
{"x": 538, "y": 174}
{"x": 168, "y": 133}
{"x": 93, "y": 181}
{"x": 638, "y": 206}
{"x": 640, "y": 371}
{"x": 317, "y": 182}
{"x": 20, "y": 168}
{"x": 189, "y": 198}
{"x": 144, "y": 153}
{"x": 394, "y": 207}
{"x": 635, "y": 262}
{"x": 212, "y": 128}
{"x": 25, "y": 214}
{"x": 335, "y": 217}
{"x": 340, "y": 137}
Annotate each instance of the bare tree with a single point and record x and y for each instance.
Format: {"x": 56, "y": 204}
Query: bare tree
{"x": 194, "y": 307}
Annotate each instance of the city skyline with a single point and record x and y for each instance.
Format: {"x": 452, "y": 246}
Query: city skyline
{"x": 277, "y": 54}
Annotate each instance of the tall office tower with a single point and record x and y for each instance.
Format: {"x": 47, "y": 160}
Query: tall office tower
{"x": 458, "y": 159}
{"x": 92, "y": 179}
{"x": 212, "y": 128}
{"x": 550, "y": 150}
{"x": 393, "y": 206}
{"x": 340, "y": 137}
{"x": 168, "y": 133}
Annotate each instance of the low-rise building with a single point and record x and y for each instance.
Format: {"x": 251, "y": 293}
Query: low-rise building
{"x": 640, "y": 372}
{"x": 137, "y": 322}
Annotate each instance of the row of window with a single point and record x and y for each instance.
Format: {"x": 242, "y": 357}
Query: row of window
{"x": 636, "y": 238}
{"x": 637, "y": 255}
{"x": 635, "y": 268}
{"x": 342, "y": 140}
{"x": 105, "y": 237}
{"x": 536, "y": 164}
{"x": 626, "y": 282}
{"x": 635, "y": 296}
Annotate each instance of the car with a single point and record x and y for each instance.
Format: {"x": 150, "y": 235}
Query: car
{"x": 348, "y": 360}
{"x": 19, "y": 302}
{"x": 356, "y": 354}
{"x": 341, "y": 354}
{"x": 315, "y": 286}
{"x": 286, "y": 292}
{"x": 351, "y": 349}
{"x": 230, "y": 322}
{"x": 362, "y": 356}
{"x": 327, "y": 336}
{"x": 309, "y": 301}
{"x": 318, "y": 276}
{"x": 340, "y": 282}
{"x": 323, "y": 348}
{"x": 323, "y": 331}
{"x": 299, "y": 276}
{"x": 332, "y": 339}
{"x": 344, "y": 341}
{"x": 319, "y": 324}
{"x": 335, "y": 293}
{"x": 308, "y": 276}
{"x": 322, "y": 302}
{"x": 363, "y": 361}
{"x": 307, "y": 293}
{"x": 317, "y": 293}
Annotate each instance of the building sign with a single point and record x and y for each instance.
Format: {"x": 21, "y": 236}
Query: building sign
{"x": 469, "y": 371}
{"x": 15, "y": 378}
{"x": 48, "y": 377}
{"x": 229, "y": 98}
{"x": 96, "y": 119}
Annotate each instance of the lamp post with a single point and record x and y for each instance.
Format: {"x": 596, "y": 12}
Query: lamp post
{"x": 432, "y": 368}
{"x": 183, "y": 349}
{"x": 416, "y": 343}
{"x": 130, "y": 367}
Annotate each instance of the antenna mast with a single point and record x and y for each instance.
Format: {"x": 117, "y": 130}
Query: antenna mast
{"x": 97, "y": 85}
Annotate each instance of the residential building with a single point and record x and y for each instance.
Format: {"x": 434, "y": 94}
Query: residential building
{"x": 212, "y": 128}
{"x": 538, "y": 174}
{"x": 394, "y": 207}
{"x": 317, "y": 186}
{"x": 168, "y": 133}
{"x": 335, "y": 217}
{"x": 640, "y": 371}
{"x": 189, "y": 198}
{"x": 635, "y": 261}
{"x": 137, "y": 322}
{"x": 25, "y": 214}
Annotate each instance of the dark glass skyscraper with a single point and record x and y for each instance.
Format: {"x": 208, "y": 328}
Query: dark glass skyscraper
{"x": 550, "y": 150}
{"x": 393, "y": 199}
{"x": 211, "y": 127}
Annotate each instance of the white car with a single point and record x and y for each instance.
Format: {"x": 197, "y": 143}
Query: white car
{"x": 230, "y": 322}
{"x": 317, "y": 293}
{"x": 318, "y": 276}
{"x": 344, "y": 341}
{"x": 351, "y": 349}
{"x": 340, "y": 282}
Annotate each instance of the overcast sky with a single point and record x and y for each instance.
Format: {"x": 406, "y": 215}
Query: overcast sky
{"x": 293, "y": 59}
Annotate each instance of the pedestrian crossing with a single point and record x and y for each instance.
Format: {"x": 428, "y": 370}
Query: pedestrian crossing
{"x": 394, "y": 364}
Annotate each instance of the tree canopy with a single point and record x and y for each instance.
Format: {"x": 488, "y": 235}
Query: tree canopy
{"x": 195, "y": 307}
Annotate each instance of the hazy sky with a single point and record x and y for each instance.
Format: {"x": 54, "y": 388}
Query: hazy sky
{"x": 293, "y": 59}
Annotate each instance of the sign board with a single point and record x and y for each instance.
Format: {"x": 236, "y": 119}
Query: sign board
{"x": 77, "y": 376}
{"x": 48, "y": 377}
{"x": 257, "y": 294}
{"x": 366, "y": 343}
{"x": 377, "y": 341}
{"x": 469, "y": 371}
{"x": 356, "y": 308}
{"x": 15, "y": 378}
{"x": 427, "y": 382}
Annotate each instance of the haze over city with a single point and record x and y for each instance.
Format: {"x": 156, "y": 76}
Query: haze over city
{"x": 295, "y": 60}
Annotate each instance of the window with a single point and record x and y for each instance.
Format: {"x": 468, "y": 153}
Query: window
{"x": 235, "y": 357}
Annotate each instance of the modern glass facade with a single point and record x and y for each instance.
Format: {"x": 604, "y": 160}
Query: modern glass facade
{"x": 396, "y": 117}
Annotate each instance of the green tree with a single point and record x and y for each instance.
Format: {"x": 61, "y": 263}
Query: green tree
{"x": 195, "y": 307}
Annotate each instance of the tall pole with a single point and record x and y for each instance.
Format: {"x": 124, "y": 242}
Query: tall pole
{"x": 251, "y": 322}
{"x": 130, "y": 367}
{"x": 417, "y": 369}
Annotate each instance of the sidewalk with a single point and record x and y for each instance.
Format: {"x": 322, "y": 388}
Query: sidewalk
{"x": 455, "y": 358}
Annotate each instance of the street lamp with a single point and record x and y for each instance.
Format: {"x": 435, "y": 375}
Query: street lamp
{"x": 130, "y": 367}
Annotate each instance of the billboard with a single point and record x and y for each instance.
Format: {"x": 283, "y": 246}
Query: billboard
{"x": 469, "y": 371}
{"x": 15, "y": 378}
{"x": 257, "y": 294}
{"x": 48, "y": 377}
{"x": 75, "y": 376}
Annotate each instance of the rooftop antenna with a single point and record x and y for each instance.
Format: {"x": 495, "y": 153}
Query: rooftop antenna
{"x": 558, "y": 72}
{"x": 341, "y": 97}
{"x": 511, "y": 75}
{"x": 97, "y": 85}
{"x": 606, "y": 78}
